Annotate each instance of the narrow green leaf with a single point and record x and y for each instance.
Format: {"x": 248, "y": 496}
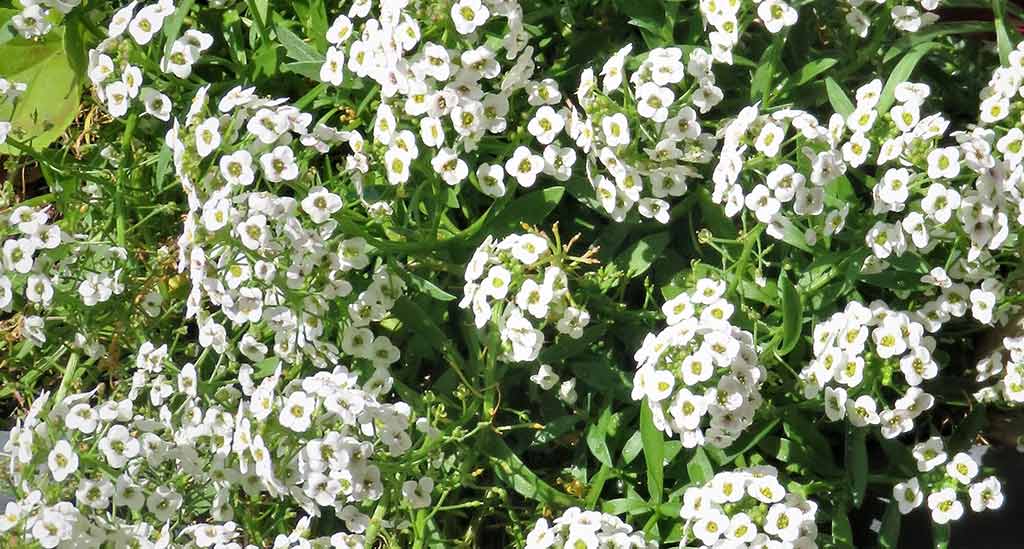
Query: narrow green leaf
{"x": 654, "y": 454}
{"x": 1002, "y": 38}
{"x": 309, "y": 69}
{"x": 889, "y": 533}
{"x": 856, "y": 463}
{"x": 792, "y": 314}
{"x": 837, "y": 97}
{"x": 901, "y": 73}
{"x": 813, "y": 69}
{"x": 762, "y": 78}
{"x": 511, "y": 470}
{"x": 295, "y": 47}
{"x": 632, "y": 448}
{"x": 597, "y": 436}
{"x": 639, "y": 257}
{"x": 530, "y": 209}
{"x": 173, "y": 24}
{"x": 699, "y": 467}
{"x": 842, "y": 533}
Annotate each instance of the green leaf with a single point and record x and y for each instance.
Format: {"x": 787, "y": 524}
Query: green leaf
{"x": 901, "y": 73}
{"x": 889, "y": 533}
{"x": 842, "y": 534}
{"x": 792, "y": 314}
{"x": 856, "y": 463}
{"x": 511, "y": 470}
{"x": 49, "y": 105}
{"x": 639, "y": 257}
{"x": 812, "y": 69}
{"x": 1002, "y": 38}
{"x": 295, "y": 48}
{"x": 632, "y": 448}
{"x": 427, "y": 287}
{"x": 309, "y": 69}
{"x": 699, "y": 467}
{"x": 418, "y": 322}
{"x": 173, "y": 24}
{"x": 597, "y": 436}
{"x": 74, "y": 45}
{"x": 654, "y": 454}
{"x": 530, "y": 209}
{"x": 761, "y": 82}
{"x": 837, "y": 97}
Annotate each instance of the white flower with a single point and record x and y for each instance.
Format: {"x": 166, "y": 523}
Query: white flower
{"x": 297, "y": 411}
{"x": 117, "y": 98}
{"x": 157, "y": 104}
{"x": 776, "y": 15}
{"x": 616, "y": 129}
{"x": 118, "y": 446}
{"x": 267, "y": 125}
{"x": 417, "y": 493}
{"x": 236, "y": 168}
{"x": 835, "y": 403}
{"x": 340, "y": 30}
{"x": 987, "y": 494}
{"x": 62, "y": 461}
{"x": 770, "y": 139}
{"x": 906, "y": 18}
{"x": 558, "y": 161}
{"x": 908, "y": 495}
{"x": 653, "y": 101}
{"x": 963, "y": 468}
{"x": 545, "y": 377}
{"x": 764, "y": 205}
{"x": 929, "y": 454}
{"x": 944, "y": 163}
{"x": 944, "y": 506}
{"x": 468, "y": 15}
{"x": 320, "y": 204}
{"x": 534, "y": 298}
{"x": 491, "y": 179}
{"x": 940, "y": 202}
{"x": 524, "y": 166}
{"x": 332, "y": 71}
{"x": 207, "y": 136}
{"x": 496, "y": 283}
{"x": 279, "y": 164}
{"x": 145, "y": 24}
{"x": 451, "y": 168}
{"x": 862, "y": 411}
{"x": 546, "y": 124}
{"x": 982, "y": 305}
{"x": 783, "y": 521}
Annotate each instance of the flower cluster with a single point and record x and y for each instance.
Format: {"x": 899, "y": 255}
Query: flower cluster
{"x": 724, "y": 16}
{"x": 644, "y": 128}
{"x": 441, "y": 96}
{"x": 41, "y": 266}
{"x": 747, "y": 508}
{"x": 943, "y": 484}
{"x": 91, "y": 472}
{"x": 578, "y": 528}
{"x": 276, "y": 265}
{"x": 906, "y": 15}
{"x": 856, "y": 355}
{"x": 118, "y": 82}
{"x": 700, "y": 365}
{"x": 1007, "y": 366}
{"x": 520, "y": 285}
{"x": 36, "y": 18}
